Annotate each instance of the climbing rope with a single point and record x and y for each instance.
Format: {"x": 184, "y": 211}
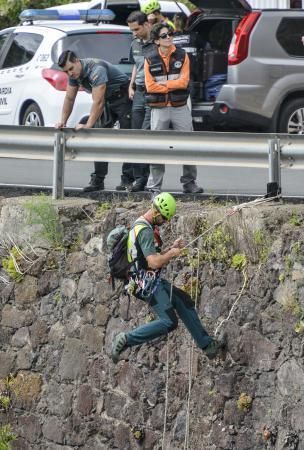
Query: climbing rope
{"x": 229, "y": 213}
{"x": 167, "y": 382}
{"x": 234, "y": 304}
{"x": 191, "y": 350}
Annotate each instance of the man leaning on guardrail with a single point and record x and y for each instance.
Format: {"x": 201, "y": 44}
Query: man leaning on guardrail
{"x": 108, "y": 85}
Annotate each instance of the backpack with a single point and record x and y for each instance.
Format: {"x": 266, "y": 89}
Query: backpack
{"x": 117, "y": 243}
{"x": 117, "y": 247}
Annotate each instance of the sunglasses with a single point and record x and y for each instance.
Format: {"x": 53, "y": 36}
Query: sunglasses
{"x": 165, "y": 35}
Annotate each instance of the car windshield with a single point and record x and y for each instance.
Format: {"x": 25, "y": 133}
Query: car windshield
{"x": 111, "y": 46}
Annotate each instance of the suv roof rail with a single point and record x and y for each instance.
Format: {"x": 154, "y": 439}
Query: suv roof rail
{"x": 87, "y": 15}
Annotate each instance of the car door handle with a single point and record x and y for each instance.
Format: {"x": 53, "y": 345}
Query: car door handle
{"x": 19, "y": 75}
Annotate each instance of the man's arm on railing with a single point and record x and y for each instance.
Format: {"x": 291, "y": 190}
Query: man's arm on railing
{"x": 68, "y": 105}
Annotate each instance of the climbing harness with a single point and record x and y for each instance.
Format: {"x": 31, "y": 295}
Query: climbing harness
{"x": 148, "y": 281}
{"x": 143, "y": 283}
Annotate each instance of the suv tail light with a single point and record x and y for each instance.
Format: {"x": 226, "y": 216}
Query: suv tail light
{"x": 56, "y": 78}
{"x": 238, "y": 50}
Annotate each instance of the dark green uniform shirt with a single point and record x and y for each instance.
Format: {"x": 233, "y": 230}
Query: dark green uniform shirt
{"x": 145, "y": 240}
{"x": 96, "y": 72}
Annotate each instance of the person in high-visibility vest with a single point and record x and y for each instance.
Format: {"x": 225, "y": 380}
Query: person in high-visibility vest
{"x": 167, "y": 301}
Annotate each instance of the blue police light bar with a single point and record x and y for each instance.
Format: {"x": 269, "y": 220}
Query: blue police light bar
{"x": 88, "y": 15}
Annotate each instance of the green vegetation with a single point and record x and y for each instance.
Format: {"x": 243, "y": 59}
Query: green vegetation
{"x": 299, "y": 327}
{"x": 221, "y": 243}
{"x": 42, "y": 212}
{"x": 216, "y": 245}
{"x": 193, "y": 261}
{"x": 244, "y": 402}
{"x": 289, "y": 260}
{"x": 290, "y": 301}
{"x": 57, "y": 297}
{"x": 261, "y": 244}
{"x": 24, "y": 386}
{"x": 239, "y": 261}
{"x": 255, "y": 241}
{"x": 102, "y": 209}
{"x": 212, "y": 392}
{"x": 295, "y": 219}
{"x": 192, "y": 286}
{"x": 10, "y": 10}
{"x": 292, "y": 306}
{"x": 75, "y": 246}
{"x": 6, "y": 436}
{"x": 5, "y": 402}
{"x": 11, "y": 265}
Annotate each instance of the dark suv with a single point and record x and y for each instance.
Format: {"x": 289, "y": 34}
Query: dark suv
{"x": 249, "y": 68}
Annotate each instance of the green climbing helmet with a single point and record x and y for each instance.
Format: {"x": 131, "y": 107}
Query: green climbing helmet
{"x": 150, "y": 6}
{"x": 165, "y": 203}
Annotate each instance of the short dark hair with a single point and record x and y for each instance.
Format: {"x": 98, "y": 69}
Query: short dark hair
{"x": 137, "y": 16}
{"x": 156, "y": 30}
{"x": 66, "y": 56}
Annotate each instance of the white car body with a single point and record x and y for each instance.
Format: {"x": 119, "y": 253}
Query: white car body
{"x": 22, "y": 82}
{"x": 167, "y": 7}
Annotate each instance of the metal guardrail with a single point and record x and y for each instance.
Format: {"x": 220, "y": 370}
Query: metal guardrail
{"x": 167, "y": 147}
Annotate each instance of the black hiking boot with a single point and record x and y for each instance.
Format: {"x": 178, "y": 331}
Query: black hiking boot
{"x": 216, "y": 346}
{"x": 96, "y": 184}
{"x": 138, "y": 186}
{"x": 119, "y": 345}
{"x": 124, "y": 186}
{"x": 192, "y": 188}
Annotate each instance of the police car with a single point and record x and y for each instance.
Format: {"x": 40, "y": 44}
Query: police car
{"x": 32, "y": 88}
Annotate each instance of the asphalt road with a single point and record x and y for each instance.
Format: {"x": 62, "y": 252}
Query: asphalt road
{"x": 214, "y": 180}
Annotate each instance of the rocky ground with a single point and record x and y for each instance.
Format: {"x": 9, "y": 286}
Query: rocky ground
{"x": 58, "y": 320}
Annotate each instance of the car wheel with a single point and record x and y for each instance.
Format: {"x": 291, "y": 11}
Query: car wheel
{"x": 292, "y": 117}
{"x": 33, "y": 116}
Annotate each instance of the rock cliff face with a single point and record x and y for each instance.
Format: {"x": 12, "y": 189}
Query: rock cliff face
{"x": 58, "y": 386}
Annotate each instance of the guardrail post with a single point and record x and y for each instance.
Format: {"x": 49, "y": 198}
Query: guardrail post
{"x": 58, "y": 166}
{"x": 274, "y": 159}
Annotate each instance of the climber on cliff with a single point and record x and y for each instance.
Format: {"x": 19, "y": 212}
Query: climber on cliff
{"x": 145, "y": 282}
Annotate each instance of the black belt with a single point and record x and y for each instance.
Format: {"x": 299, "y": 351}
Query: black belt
{"x": 140, "y": 87}
{"x": 118, "y": 93}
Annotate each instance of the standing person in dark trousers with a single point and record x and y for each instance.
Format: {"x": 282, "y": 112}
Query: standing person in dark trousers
{"x": 167, "y": 77}
{"x": 108, "y": 84}
{"x": 144, "y": 250}
{"x": 141, "y": 112}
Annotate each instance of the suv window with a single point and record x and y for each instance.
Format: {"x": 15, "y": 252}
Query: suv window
{"x": 22, "y": 49}
{"x": 3, "y": 38}
{"x": 110, "y": 46}
{"x": 290, "y": 34}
